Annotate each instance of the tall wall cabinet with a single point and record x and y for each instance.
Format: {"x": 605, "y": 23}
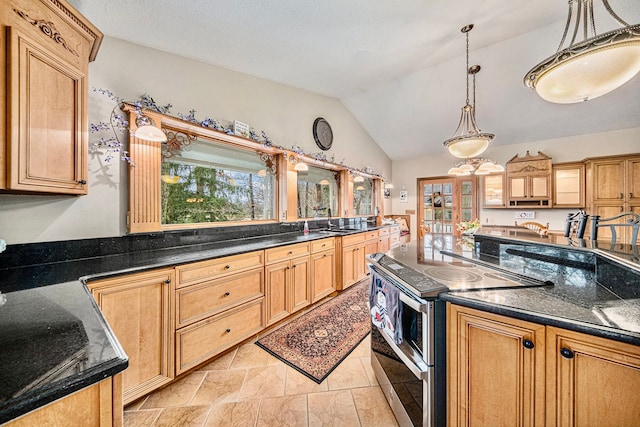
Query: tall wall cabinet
{"x": 44, "y": 69}
{"x": 613, "y": 184}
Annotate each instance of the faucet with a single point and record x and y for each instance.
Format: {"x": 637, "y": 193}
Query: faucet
{"x": 329, "y": 218}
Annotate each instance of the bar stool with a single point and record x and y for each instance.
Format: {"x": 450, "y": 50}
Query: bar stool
{"x": 576, "y": 224}
{"x": 632, "y": 220}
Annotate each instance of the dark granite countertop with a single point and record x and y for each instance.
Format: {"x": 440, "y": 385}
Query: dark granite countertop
{"x": 593, "y": 291}
{"x": 49, "y": 319}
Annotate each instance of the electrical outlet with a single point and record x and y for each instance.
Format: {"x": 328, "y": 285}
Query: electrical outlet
{"x": 525, "y": 215}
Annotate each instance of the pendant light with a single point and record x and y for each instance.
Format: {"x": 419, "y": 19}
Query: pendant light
{"x": 468, "y": 141}
{"x": 589, "y": 68}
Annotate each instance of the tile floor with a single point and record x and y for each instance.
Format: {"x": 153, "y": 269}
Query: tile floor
{"x": 249, "y": 387}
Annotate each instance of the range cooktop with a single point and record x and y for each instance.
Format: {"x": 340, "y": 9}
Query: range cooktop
{"x": 428, "y": 277}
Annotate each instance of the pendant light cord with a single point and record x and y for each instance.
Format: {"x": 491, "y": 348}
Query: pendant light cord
{"x": 467, "y": 67}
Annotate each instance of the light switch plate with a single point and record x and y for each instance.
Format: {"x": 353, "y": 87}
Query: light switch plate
{"x": 525, "y": 214}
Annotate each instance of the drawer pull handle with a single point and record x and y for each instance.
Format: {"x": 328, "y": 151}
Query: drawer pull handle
{"x": 226, "y": 267}
{"x": 621, "y": 196}
{"x": 324, "y": 256}
{"x": 168, "y": 281}
{"x": 324, "y": 244}
{"x": 290, "y": 252}
{"x": 566, "y": 353}
{"x": 228, "y": 331}
{"x": 528, "y": 344}
{"x": 226, "y": 294}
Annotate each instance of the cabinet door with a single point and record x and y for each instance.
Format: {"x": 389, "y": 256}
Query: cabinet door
{"x": 47, "y": 143}
{"x": 568, "y": 185}
{"x": 383, "y": 244}
{"x": 633, "y": 181}
{"x": 300, "y": 284}
{"x": 493, "y": 191}
{"x": 323, "y": 275}
{"x": 608, "y": 181}
{"x": 276, "y": 278}
{"x": 371, "y": 246}
{"x": 609, "y": 211}
{"x": 539, "y": 187}
{"x": 517, "y": 187}
{"x": 493, "y": 377}
{"x": 349, "y": 265}
{"x": 140, "y": 310}
{"x": 591, "y": 381}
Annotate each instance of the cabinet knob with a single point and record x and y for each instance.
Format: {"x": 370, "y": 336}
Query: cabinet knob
{"x": 621, "y": 196}
{"x": 226, "y": 294}
{"x": 324, "y": 244}
{"x": 287, "y": 267}
{"x": 324, "y": 256}
{"x": 82, "y": 181}
{"x": 228, "y": 331}
{"x": 566, "y": 353}
{"x": 528, "y": 344}
{"x": 226, "y": 267}
{"x": 168, "y": 281}
{"x": 631, "y": 195}
{"x": 290, "y": 253}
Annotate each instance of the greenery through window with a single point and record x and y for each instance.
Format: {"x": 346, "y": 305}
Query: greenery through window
{"x": 317, "y": 193}
{"x": 362, "y": 196}
{"x": 211, "y": 182}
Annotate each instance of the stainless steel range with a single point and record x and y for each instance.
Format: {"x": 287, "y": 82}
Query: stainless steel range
{"x": 411, "y": 365}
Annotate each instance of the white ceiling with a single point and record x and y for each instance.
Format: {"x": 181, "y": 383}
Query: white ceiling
{"x": 398, "y": 66}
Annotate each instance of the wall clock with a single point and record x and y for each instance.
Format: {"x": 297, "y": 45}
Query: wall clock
{"x": 322, "y": 133}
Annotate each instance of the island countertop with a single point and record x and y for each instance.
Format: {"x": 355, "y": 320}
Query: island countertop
{"x": 590, "y": 292}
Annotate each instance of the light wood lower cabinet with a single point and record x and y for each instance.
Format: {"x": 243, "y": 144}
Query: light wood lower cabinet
{"x": 98, "y": 405}
{"x": 288, "y": 289}
{"x": 323, "y": 269}
{"x": 504, "y": 371}
{"x": 139, "y": 309}
{"x": 493, "y": 378}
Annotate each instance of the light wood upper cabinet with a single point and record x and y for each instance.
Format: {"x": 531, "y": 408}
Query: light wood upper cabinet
{"x": 139, "y": 309}
{"x": 569, "y": 185}
{"x": 514, "y": 372}
{"x": 529, "y": 181}
{"x": 493, "y": 191}
{"x": 608, "y": 180}
{"x": 45, "y": 66}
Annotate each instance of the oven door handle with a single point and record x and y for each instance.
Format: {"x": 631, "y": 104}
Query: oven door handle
{"x": 415, "y": 364}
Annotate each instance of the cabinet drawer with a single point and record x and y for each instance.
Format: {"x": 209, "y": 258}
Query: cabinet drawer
{"x": 206, "y": 270}
{"x": 353, "y": 239}
{"x": 383, "y": 231}
{"x": 208, "y": 298}
{"x": 286, "y": 252}
{"x": 394, "y": 239}
{"x": 370, "y": 235}
{"x": 203, "y": 340}
{"x": 322, "y": 245}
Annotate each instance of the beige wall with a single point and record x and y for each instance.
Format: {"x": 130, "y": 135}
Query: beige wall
{"x": 406, "y": 172}
{"x": 286, "y": 115}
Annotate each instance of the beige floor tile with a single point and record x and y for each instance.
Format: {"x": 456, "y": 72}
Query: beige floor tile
{"x": 179, "y": 393}
{"x": 219, "y": 387}
{"x": 186, "y": 416}
{"x": 264, "y": 382}
{"x": 332, "y": 408}
{"x": 221, "y": 362}
{"x": 235, "y": 414}
{"x": 141, "y": 418}
{"x": 350, "y": 373}
{"x": 373, "y": 409}
{"x": 363, "y": 349}
{"x": 249, "y": 355}
{"x": 366, "y": 362}
{"x": 136, "y": 404}
{"x": 296, "y": 383}
{"x": 283, "y": 411}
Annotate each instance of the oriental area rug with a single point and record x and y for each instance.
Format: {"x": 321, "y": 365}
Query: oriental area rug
{"x": 316, "y": 342}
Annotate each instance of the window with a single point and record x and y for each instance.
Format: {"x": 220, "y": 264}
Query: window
{"x": 362, "y": 196}
{"x": 317, "y": 193}
{"x": 205, "y": 181}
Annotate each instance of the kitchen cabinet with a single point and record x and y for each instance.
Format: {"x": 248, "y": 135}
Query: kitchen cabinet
{"x": 529, "y": 181}
{"x": 323, "y": 268}
{"x": 495, "y": 369}
{"x": 569, "y": 185}
{"x": 45, "y": 64}
{"x": 219, "y": 303}
{"x": 139, "y": 309}
{"x": 383, "y": 240}
{"x": 394, "y": 236}
{"x": 493, "y": 194}
{"x": 99, "y": 404}
{"x": 287, "y": 281}
{"x": 505, "y": 371}
{"x": 353, "y": 265}
{"x": 372, "y": 242}
{"x": 613, "y": 187}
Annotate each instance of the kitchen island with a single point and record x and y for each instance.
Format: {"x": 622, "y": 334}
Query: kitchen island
{"x": 556, "y": 343}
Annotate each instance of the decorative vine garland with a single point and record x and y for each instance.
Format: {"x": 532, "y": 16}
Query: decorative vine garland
{"x": 119, "y": 124}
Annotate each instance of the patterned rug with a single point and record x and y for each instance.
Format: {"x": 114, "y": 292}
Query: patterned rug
{"x": 316, "y": 342}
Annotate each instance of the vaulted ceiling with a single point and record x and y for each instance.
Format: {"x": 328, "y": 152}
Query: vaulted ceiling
{"x": 398, "y": 66}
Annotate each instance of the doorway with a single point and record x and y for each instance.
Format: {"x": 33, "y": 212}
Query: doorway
{"x": 444, "y": 202}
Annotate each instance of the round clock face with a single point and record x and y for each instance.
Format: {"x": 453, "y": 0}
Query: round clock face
{"x": 322, "y": 133}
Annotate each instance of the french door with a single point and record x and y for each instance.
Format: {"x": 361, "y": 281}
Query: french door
{"x": 444, "y": 202}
